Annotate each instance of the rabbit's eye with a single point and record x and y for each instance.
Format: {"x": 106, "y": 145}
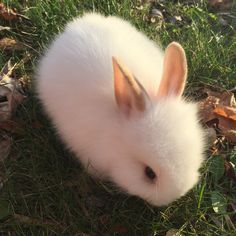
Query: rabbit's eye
{"x": 150, "y": 173}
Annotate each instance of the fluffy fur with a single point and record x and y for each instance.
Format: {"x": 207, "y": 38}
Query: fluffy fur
{"x": 75, "y": 84}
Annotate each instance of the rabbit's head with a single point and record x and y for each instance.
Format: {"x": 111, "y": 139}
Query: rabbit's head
{"x": 162, "y": 140}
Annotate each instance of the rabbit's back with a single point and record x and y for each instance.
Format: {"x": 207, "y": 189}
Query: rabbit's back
{"x": 75, "y": 77}
{"x": 81, "y": 56}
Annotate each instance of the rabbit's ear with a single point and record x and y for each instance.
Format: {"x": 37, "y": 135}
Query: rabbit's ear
{"x": 174, "y": 71}
{"x": 129, "y": 93}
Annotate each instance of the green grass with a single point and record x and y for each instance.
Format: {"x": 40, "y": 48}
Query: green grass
{"x": 46, "y": 192}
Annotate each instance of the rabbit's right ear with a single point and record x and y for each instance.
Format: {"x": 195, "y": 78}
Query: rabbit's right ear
{"x": 174, "y": 71}
{"x": 130, "y": 95}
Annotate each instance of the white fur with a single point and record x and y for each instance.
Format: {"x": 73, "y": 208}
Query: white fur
{"x": 75, "y": 84}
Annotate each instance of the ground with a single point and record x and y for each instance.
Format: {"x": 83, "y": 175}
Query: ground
{"x": 45, "y": 192}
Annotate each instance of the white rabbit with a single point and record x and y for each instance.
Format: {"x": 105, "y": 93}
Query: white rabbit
{"x": 115, "y": 99}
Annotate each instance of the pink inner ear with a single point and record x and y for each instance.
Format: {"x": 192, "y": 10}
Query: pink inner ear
{"x": 174, "y": 71}
{"x": 130, "y": 95}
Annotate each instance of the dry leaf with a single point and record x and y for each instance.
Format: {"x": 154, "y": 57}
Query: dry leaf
{"x": 220, "y": 108}
{"x": 229, "y": 134}
{"x": 207, "y": 106}
{"x": 10, "y": 14}
{"x": 226, "y": 111}
{"x": 227, "y": 98}
{"x": 7, "y": 13}
{"x": 10, "y": 93}
{"x": 10, "y": 44}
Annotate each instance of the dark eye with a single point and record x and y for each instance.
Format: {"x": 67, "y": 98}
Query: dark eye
{"x": 150, "y": 173}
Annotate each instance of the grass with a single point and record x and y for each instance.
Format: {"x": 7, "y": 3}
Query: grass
{"x": 45, "y": 192}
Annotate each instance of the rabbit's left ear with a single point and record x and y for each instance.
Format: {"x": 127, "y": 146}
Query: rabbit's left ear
{"x": 130, "y": 95}
{"x": 174, "y": 71}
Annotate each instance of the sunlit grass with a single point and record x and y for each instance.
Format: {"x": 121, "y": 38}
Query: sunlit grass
{"x": 44, "y": 183}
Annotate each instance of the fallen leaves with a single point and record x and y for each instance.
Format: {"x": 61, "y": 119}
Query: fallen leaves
{"x": 10, "y": 93}
{"x": 10, "y": 14}
{"x": 7, "y": 13}
{"x": 218, "y": 111}
{"x": 10, "y": 44}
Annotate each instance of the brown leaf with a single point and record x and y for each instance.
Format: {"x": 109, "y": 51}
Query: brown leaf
{"x": 228, "y": 99}
{"x": 10, "y": 14}
{"x": 7, "y": 13}
{"x": 229, "y": 134}
{"x": 220, "y": 107}
{"x": 10, "y": 93}
{"x": 10, "y": 44}
{"x": 226, "y": 111}
{"x": 207, "y": 106}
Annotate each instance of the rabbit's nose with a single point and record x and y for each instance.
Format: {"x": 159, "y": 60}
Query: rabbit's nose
{"x": 150, "y": 173}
